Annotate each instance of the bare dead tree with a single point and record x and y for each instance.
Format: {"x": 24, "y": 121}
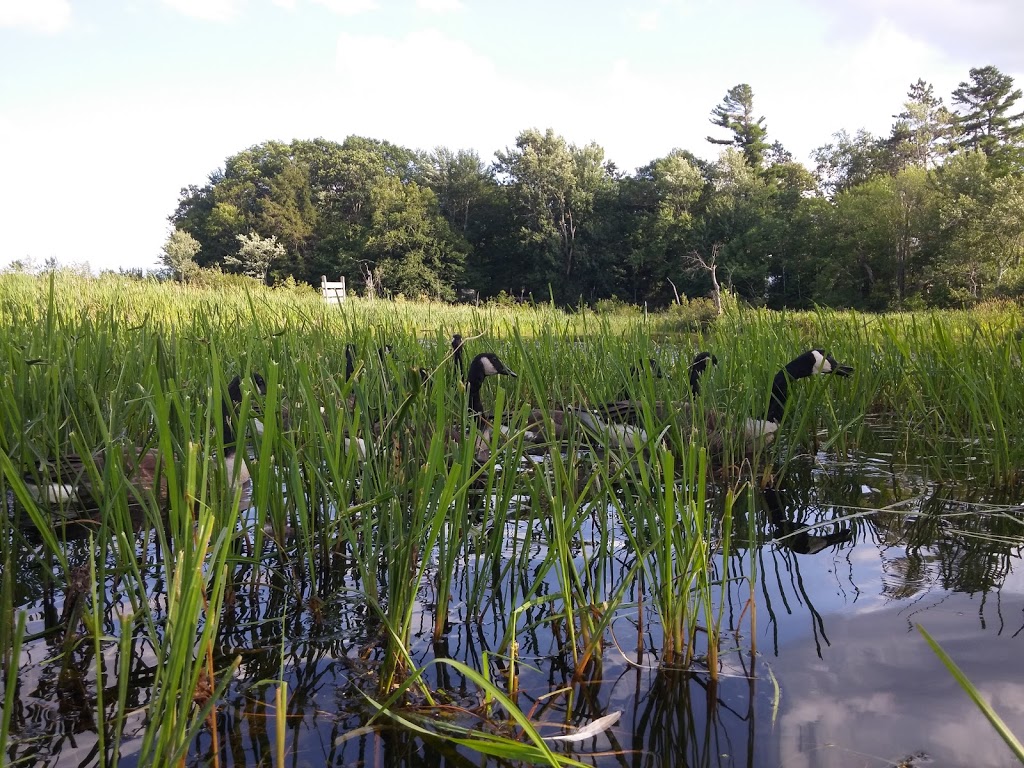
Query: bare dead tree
{"x": 674, "y": 289}
{"x": 694, "y": 261}
{"x": 372, "y": 278}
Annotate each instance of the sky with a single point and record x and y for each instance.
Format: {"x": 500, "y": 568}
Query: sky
{"x": 108, "y": 108}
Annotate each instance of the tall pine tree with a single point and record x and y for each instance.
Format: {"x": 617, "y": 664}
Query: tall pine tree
{"x": 736, "y": 113}
{"x": 987, "y": 120}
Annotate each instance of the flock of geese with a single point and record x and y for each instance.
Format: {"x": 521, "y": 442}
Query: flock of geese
{"x": 617, "y": 424}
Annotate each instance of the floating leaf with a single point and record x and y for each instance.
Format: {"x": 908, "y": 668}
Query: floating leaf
{"x": 598, "y": 726}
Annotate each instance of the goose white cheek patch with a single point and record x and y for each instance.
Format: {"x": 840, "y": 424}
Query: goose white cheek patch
{"x": 821, "y": 364}
{"x": 489, "y": 369}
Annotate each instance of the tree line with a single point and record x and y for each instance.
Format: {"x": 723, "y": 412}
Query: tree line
{"x": 930, "y": 215}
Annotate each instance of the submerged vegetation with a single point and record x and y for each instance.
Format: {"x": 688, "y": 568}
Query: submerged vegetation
{"x": 374, "y": 531}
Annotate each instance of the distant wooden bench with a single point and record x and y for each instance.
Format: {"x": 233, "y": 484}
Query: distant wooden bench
{"x": 333, "y": 292}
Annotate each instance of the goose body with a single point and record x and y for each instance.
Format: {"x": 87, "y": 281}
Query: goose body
{"x": 612, "y": 434}
{"x": 66, "y": 480}
{"x": 754, "y": 432}
{"x": 482, "y": 367}
{"x": 758, "y": 432}
{"x": 631, "y": 411}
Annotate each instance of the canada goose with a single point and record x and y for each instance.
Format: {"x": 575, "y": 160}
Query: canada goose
{"x": 480, "y": 368}
{"x": 755, "y": 432}
{"x": 483, "y": 366}
{"x": 631, "y": 411}
{"x": 66, "y": 480}
{"x": 698, "y": 365}
{"x": 813, "y": 362}
{"x": 234, "y": 464}
{"x": 618, "y": 423}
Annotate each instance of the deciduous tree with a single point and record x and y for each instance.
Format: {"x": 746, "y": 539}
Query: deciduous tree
{"x": 179, "y": 254}
{"x": 255, "y": 255}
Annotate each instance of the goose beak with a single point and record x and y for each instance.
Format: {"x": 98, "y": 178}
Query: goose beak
{"x": 842, "y": 370}
{"x": 836, "y": 368}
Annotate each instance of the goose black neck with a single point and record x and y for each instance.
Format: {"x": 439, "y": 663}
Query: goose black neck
{"x": 694, "y": 382}
{"x": 350, "y": 366}
{"x": 229, "y": 433}
{"x": 457, "y": 349}
{"x": 476, "y": 403}
{"x": 780, "y": 391}
{"x": 700, "y": 364}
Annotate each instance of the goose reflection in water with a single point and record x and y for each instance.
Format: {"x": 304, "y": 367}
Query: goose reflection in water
{"x": 800, "y": 538}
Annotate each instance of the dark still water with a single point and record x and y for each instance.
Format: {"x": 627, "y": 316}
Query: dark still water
{"x": 832, "y": 672}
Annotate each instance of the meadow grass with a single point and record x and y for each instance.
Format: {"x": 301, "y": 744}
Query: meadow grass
{"x": 100, "y": 365}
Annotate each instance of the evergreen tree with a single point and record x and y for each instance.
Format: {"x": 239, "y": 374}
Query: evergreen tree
{"x": 736, "y": 113}
{"x": 986, "y": 118}
{"x": 922, "y": 128}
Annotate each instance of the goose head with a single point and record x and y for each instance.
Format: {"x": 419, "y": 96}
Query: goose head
{"x": 813, "y": 362}
{"x": 488, "y": 364}
{"x": 482, "y": 366}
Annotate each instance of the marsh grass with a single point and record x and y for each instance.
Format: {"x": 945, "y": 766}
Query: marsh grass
{"x": 416, "y": 523}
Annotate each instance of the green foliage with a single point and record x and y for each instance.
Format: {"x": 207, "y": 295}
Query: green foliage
{"x": 924, "y": 130}
{"x": 179, "y": 255}
{"x": 615, "y": 306}
{"x": 986, "y": 100}
{"x": 736, "y": 114}
{"x": 688, "y": 316}
{"x": 928, "y": 215}
{"x": 90, "y": 363}
{"x": 553, "y": 187}
{"x": 880, "y": 235}
{"x": 255, "y": 255}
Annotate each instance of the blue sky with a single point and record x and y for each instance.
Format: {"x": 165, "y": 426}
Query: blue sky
{"x": 109, "y": 107}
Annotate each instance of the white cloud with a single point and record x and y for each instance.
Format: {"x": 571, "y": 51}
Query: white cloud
{"x": 289, "y": 4}
{"x": 423, "y": 90}
{"x": 974, "y": 33}
{"x": 207, "y": 10}
{"x": 876, "y": 69}
{"x": 876, "y": 676}
{"x": 348, "y": 7}
{"x": 439, "y": 6}
{"x": 47, "y": 16}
